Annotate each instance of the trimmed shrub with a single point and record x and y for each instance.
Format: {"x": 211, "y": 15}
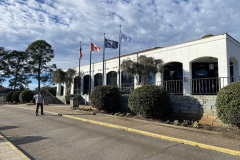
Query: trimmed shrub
{"x": 79, "y": 97}
{"x": 53, "y": 90}
{"x": 9, "y": 96}
{"x": 26, "y": 96}
{"x": 15, "y": 97}
{"x": 106, "y": 98}
{"x": 149, "y": 101}
{"x": 68, "y": 97}
{"x": 49, "y": 89}
{"x": 228, "y": 104}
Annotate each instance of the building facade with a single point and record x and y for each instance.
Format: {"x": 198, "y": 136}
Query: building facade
{"x": 198, "y": 67}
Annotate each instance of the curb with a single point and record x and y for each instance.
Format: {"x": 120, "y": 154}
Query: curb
{"x": 191, "y": 143}
{"x": 178, "y": 140}
{"x": 14, "y": 148}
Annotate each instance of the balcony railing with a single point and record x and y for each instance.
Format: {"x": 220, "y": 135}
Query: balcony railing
{"x": 205, "y": 85}
{"x": 127, "y": 88}
{"x": 201, "y": 86}
{"x": 174, "y": 86}
{"x": 210, "y": 86}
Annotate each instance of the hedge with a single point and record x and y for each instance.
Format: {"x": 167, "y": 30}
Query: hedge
{"x": 107, "y": 98}
{"x": 15, "y": 97}
{"x": 68, "y": 97}
{"x": 149, "y": 101}
{"x": 9, "y": 96}
{"x": 228, "y": 104}
{"x": 26, "y": 96}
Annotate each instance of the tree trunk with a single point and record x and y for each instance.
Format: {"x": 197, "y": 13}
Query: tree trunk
{"x": 39, "y": 76}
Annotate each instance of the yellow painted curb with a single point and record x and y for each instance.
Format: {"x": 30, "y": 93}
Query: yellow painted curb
{"x": 14, "y": 148}
{"x": 191, "y": 143}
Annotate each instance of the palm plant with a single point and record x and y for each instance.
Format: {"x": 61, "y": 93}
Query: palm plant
{"x": 142, "y": 68}
{"x": 59, "y": 76}
{"x": 70, "y": 74}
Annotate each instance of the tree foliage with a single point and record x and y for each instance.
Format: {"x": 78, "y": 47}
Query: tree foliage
{"x": 49, "y": 89}
{"x": 41, "y": 53}
{"x": 3, "y": 63}
{"x": 15, "y": 97}
{"x": 17, "y": 68}
{"x": 70, "y": 73}
{"x": 9, "y": 96}
{"x": 58, "y": 76}
{"x": 207, "y": 35}
{"x": 142, "y": 68}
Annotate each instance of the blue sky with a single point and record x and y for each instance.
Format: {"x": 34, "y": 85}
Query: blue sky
{"x": 150, "y": 23}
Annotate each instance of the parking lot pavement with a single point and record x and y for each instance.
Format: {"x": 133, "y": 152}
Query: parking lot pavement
{"x": 226, "y": 143}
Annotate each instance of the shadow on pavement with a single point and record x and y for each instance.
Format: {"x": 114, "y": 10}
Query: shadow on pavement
{"x": 16, "y": 144}
{"x": 27, "y": 139}
{"x": 79, "y": 114}
{"x": 8, "y": 127}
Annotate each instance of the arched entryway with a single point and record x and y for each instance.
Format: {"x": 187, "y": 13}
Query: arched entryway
{"x": 98, "y": 80}
{"x": 205, "y": 76}
{"x": 77, "y": 85}
{"x": 112, "y": 78}
{"x": 173, "y": 77}
{"x": 86, "y": 84}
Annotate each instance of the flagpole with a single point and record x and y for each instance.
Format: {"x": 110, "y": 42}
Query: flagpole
{"x": 89, "y": 91}
{"x": 119, "y": 58}
{"x": 79, "y": 87}
{"x": 103, "y": 60}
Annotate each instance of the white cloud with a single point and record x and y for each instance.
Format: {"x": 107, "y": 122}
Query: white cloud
{"x": 150, "y": 23}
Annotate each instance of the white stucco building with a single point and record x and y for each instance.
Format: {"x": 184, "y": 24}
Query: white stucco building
{"x": 201, "y": 66}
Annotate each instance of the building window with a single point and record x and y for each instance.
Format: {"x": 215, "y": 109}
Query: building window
{"x": 112, "y": 78}
{"x": 98, "y": 80}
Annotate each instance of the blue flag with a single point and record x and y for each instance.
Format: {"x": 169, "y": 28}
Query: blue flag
{"x": 111, "y": 44}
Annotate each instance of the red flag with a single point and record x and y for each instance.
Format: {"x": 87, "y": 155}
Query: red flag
{"x": 80, "y": 54}
{"x": 93, "y": 47}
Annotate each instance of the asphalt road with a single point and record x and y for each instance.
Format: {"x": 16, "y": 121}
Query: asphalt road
{"x": 52, "y": 137}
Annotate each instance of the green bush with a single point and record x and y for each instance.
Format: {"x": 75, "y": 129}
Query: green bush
{"x": 149, "y": 101}
{"x": 79, "y": 97}
{"x": 228, "y": 104}
{"x": 53, "y": 91}
{"x": 15, "y": 97}
{"x": 68, "y": 97}
{"x": 9, "y": 96}
{"x": 106, "y": 98}
{"x": 49, "y": 89}
{"x": 26, "y": 96}
{"x": 207, "y": 35}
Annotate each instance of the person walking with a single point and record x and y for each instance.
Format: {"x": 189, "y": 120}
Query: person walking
{"x": 39, "y": 101}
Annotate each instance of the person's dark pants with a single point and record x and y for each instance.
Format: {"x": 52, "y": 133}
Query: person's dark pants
{"x": 39, "y": 104}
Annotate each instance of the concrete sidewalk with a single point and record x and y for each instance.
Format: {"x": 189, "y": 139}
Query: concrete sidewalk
{"x": 8, "y": 151}
{"x": 223, "y": 142}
